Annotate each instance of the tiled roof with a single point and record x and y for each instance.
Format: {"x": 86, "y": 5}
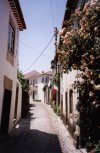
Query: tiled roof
{"x": 31, "y": 74}
{"x": 49, "y": 72}
{"x": 34, "y": 74}
{"x": 46, "y": 73}
{"x": 16, "y": 9}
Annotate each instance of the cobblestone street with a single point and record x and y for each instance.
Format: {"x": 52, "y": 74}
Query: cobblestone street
{"x": 41, "y": 132}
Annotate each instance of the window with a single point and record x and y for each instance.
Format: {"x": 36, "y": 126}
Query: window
{"x": 11, "y": 39}
{"x": 30, "y": 82}
{"x": 34, "y": 82}
{"x": 42, "y": 79}
{"x": 46, "y": 79}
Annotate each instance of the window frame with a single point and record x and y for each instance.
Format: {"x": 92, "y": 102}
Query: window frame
{"x": 42, "y": 79}
{"x": 47, "y": 79}
{"x": 11, "y": 38}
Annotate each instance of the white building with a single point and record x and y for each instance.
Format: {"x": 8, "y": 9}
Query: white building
{"x": 11, "y": 22}
{"x": 38, "y": 83}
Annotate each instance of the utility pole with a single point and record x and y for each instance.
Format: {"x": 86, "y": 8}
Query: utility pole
{"x": 56, "y": 62}
{"x": 56, "y": 38}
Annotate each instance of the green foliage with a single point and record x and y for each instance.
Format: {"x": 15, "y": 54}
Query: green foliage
{"x": 57, "y": 109}
{"x": 97, "y": 148}
{"x": 24, "y": 82}
{"x": 56, "y": 79}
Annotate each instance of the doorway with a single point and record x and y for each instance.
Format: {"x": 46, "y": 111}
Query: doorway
{"x": 6, "y": 111}
{"x": 71, "y": 101}
{"x": 16, "y": 104}
{"x": 62, "y": 106}
{"x": 6, "y": 105}
{"x": 66, "y": 105}
{"x": 33, "y": 95}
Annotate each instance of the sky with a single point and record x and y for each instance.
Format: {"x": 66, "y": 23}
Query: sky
{"x": 41, "y": 16}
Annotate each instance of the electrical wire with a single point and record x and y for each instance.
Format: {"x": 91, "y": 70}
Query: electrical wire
{"x": 33, "y": 49}
{"x": 40, "y": 54}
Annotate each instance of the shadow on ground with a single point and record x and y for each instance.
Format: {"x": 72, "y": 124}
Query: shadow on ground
{"x": 32, "y": 141}
{"x": 25, "y": 140}
{"x": 32, "y": 105}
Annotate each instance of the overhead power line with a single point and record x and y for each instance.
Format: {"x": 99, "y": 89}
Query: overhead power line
{"x": 40, "y": 54}
{"x": 28, "y": 46}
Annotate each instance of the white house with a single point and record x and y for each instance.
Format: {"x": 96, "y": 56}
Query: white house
{"x": 38, "y": 83}
{"x": 11, "y": 22}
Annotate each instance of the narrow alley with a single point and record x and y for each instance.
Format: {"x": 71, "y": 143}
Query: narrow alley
{"x": 49, "y": 76}
{"x": 41, "y": 132}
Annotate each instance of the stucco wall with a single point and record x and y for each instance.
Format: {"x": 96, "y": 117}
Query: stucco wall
{"x": 66, "y": 85}
{"x": 6, "y": 69}
{"x": 39, "y": 95}
{"x": 40, "y": 89}
{"x": 19, "y": 102}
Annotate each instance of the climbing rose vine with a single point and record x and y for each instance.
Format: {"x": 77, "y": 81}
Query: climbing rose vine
{"x": 79, "y": 49}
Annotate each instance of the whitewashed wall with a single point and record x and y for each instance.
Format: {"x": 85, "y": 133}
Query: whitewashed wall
{"x": 19, "y": 102}
{"x": 6, "y": 69}
{"x": 39, "y": 95}
{"x": 40, "y": 89}
{"x": 66, "y": 84}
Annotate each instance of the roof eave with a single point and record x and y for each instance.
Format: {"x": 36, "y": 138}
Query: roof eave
{"x": 16, "y": 9}
{"x": 70, "y": 6}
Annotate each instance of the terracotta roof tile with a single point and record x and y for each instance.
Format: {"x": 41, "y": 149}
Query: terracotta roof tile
{"x": 31, "y": 74}
{"x": 34, "y": 73}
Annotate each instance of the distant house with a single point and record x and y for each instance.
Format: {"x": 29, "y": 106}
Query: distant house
{"x": 11, "y": 22}
{"x": 38, "y": 83}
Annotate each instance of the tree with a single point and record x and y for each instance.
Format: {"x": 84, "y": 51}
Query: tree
{"x": 25, "y": 94}
{"x": 24, "y": 82}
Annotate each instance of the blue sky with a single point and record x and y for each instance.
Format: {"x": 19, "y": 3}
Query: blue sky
{"x": 41, "y": 16}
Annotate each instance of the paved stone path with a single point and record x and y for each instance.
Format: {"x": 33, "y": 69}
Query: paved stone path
{"x": 41, "y": 132}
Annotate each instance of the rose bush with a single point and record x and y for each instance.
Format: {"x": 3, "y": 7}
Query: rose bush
{"x": 79, "y": 49}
